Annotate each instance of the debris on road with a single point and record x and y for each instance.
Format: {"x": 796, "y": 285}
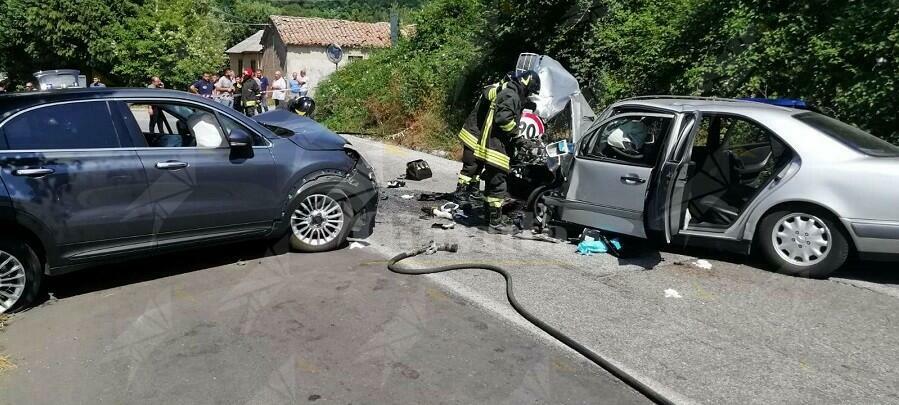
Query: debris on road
{"x": 241, "y": 263}
{"x": 418, "y": 170}
{"x": 396, "y": 183}
{"x": 672, "y": 293}
{"x": 358, "y": 245}
{"x": 703, "y": 264}
{"x": 407, "y": 196}
{"x": 531, "y": 235}
{"x": 442, "y": 225}
{"x": 589, "y": 246}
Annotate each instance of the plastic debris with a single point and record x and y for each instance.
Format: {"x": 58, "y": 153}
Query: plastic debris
{"x": 358, "y": 245}
{"x": 703, "y": 264}
{"x": 241, "y": 263}
{"x": 672, "y": 293}
{"x": 396, "y": 184}
{"x": 407, "y": 196}
{"x": 589, "y": 247}
{"x": 442, "y": 214}
{"x": 531, "y": 235}
{"x": 441, "y": 225}
{"x": 449, "y": 207}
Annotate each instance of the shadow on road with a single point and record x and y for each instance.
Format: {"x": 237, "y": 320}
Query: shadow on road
{"x": 874, "y": 272}
{"x": 146, "y": 269}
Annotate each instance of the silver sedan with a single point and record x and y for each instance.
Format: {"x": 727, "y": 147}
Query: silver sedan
{"x": 803, "y": 189}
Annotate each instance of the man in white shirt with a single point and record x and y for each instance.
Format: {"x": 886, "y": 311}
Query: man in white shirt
{"x": 225, "y": 88}
{"x": 279, "y": 89}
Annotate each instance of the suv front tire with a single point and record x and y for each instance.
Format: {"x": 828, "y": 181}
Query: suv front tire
{"x": 320, "y": 219}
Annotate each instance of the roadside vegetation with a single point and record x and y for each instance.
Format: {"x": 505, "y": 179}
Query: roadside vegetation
{"x": 840, "y": 55}
{"x": 5, "y": 363}
{"x": 125, "y": 42}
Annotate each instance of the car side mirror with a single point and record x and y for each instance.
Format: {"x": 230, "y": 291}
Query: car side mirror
{"x": 238, "y": 138}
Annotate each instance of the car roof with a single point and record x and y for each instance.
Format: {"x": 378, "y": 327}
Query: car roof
{"x": 725, "y": 105}
{"x": 10, "y": 103}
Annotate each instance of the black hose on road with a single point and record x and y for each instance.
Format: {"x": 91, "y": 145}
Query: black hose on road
{"x": 567, "y": 341}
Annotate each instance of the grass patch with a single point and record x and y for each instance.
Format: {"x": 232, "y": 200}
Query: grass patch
{"x": 4, "y": 320}
{"x": 5, "y": 364}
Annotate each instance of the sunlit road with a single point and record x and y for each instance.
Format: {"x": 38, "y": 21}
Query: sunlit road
{"x": 247, "y": 325}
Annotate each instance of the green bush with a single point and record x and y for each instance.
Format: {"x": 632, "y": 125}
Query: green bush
{"x": 408, "y": 89}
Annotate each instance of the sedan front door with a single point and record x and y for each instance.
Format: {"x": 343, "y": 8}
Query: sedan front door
{"x": 612, "y": 171}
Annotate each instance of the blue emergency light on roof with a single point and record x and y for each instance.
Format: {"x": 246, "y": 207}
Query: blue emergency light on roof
{"x": 782, "y": 102}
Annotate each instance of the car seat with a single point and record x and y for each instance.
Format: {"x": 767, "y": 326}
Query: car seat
{"x": 707, "y": 189}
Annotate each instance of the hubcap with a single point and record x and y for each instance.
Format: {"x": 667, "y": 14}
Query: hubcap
{"x": 801, "y": 239}
{"x": 12, "y": 280}
{"x": 318, "y": 220}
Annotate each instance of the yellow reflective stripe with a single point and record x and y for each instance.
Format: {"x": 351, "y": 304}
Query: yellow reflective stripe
{"x": 469, "y": 140}
{"x": 463, "y": 179}
{"x": 488, "y": 124}
{"x": 249, "y": 103}
{"x": 509, "y": 126}
{"x": 491, "y": 94}
{"x": 494, "y": 202}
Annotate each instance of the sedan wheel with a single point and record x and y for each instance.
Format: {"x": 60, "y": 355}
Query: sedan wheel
{"x": 803, "y": 241}
{"x": 12, "y": 280}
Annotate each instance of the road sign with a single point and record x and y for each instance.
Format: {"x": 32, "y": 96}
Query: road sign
{"x": 335, "y": 53}
{"x": 530, "y": 125}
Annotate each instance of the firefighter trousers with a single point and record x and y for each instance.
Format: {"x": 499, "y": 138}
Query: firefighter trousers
{"x": 471, "y": 167}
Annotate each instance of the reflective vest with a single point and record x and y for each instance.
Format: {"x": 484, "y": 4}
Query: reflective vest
{"x": 482, "y": 124}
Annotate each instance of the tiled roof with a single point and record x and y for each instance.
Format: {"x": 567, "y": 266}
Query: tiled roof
{"x": 321, "y": 31}
{"x": 252, "y": 44}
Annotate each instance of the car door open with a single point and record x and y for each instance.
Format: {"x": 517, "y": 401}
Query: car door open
{"x": 612, "y": 171}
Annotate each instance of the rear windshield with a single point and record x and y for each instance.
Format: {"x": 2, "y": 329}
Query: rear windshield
{"x": 849, "y": 135}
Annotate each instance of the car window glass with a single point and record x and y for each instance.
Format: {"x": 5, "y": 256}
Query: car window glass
{"x": 171, "y": 125}
{"x": 85, "y": 125}
{"x": 229, "y": 124}
{"x": 849, "y": 135}
{"x": 631, "y": 139}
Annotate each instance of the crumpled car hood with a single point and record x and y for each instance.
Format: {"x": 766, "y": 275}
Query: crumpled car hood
{"x": 302, "y": 131}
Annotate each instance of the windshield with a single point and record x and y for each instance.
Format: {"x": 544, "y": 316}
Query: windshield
{"x": 849, "y": 135}
{"x": 280, "y": 131}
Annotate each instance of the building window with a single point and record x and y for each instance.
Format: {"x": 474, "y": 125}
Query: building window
{"x": 253, "y": 64}
{"x": 240, "y": 65}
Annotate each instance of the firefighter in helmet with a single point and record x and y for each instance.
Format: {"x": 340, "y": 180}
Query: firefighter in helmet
{"x": 489, "y": 135}
{"x": 249, "y": 93}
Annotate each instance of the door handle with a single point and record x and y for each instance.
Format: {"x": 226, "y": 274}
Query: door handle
{"x": 171, "y": 165}
{"x": 633, "y": 179}
{"x": 33, "y": 172}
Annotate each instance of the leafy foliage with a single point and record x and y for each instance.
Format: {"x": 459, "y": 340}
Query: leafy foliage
{"x": 410, "y": 87}
{"x": 840, "y": 55}
{"x": 50, "y": 34}
{"x": 176, "y": 41}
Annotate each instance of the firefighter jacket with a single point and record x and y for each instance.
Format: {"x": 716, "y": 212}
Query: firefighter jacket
{"x": 249, "y": 93}
{"x": 493, "y": 123}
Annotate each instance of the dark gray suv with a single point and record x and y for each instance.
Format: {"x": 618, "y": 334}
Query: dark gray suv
{"x": 100, "y": 175}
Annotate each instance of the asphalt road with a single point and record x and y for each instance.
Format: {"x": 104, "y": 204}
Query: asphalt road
{"x": 698, "y": 325}
{"x": 244, "y": 324}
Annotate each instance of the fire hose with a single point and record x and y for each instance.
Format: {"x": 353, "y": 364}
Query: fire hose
{"x": 600, "y": 361}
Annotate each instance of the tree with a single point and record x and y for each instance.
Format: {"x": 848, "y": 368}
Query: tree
{"x": 176, "y": 41}
{"x": 51, "y": 34}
